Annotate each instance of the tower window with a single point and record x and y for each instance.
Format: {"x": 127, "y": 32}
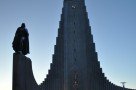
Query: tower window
{"x": 73, "y": 7}
{"x": 75, "y": 82}
{"x": 75, "y": 59}
{"x": 74, "y": 31}
{"x": 74, "y": 23}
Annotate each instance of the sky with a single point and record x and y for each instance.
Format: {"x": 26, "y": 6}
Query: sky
{"x": 113, "y": 25}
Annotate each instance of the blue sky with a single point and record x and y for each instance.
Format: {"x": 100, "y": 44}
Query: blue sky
{"x": 113, "y": 25}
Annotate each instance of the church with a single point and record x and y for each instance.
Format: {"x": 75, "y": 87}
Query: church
{"x": 75, "y": 64}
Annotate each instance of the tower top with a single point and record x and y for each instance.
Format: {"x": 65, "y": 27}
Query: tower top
{"x": 73, "y": 0}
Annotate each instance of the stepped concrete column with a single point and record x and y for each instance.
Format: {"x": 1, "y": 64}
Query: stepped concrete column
{"x": 23, "y": 78}
{"x": 19, "y": 81}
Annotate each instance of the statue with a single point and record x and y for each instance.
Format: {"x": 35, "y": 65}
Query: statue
{"x": 20, "y": 43}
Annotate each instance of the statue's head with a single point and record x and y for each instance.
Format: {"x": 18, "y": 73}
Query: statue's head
{"x": 23, "y": 25}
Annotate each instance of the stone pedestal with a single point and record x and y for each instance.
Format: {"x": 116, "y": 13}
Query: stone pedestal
{"x": 23, "y": 78}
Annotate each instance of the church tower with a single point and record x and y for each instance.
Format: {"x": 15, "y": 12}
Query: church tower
{"x": 75, "y": 63}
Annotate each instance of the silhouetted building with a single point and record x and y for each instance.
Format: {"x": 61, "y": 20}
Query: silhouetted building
{"x": 75, "y": 64}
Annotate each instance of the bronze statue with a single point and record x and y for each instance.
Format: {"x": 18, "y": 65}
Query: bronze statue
{"x": 21, "y": 40}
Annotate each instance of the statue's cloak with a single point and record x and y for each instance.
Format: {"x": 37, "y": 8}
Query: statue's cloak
{"x": 21, "y": 41}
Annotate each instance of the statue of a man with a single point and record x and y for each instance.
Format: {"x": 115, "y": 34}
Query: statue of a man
{"x": 21, "y": 41}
